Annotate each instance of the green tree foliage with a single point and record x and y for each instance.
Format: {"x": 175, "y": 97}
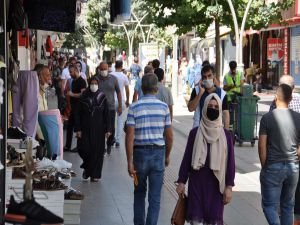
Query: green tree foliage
{"x": 188, "y": 14}
{"x": 115, "y": 40}
{"x": 75, "y": 40}
{"x": 98, "y": 15}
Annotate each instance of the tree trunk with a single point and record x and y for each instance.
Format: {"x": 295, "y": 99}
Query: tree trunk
{"x": 218, "y": 46}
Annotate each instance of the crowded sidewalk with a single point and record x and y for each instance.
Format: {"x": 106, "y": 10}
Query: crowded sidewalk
{"x": 110, "y": 201}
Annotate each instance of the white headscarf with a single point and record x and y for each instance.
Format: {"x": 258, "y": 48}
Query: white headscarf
{"x": 211, "y": 132}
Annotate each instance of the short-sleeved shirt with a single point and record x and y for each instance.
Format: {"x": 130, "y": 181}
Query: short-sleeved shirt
{"x": 122, "y": 81}
{"x": 150, "y": 117}
{"x": 65, "y": 75}
{"x": 164, "y": 95}
{"x": 109, "y": 86}
{"x": 282, "y": 127}
{"x": 138, "y": 88}
{"x": 135, "y": 70}
{"x": 76, "y": 87}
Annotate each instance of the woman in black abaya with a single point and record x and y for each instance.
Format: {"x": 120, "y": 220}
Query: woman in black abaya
{"x": 91, "y": 128}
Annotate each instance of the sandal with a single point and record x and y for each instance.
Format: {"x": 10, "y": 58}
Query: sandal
{"x": 73, "y": 194}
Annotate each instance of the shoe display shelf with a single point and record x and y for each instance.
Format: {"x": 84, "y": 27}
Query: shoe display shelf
{"x": 51, "y": 200}
{"x": 72, "y": 212}
{"x": 16, "y": 143}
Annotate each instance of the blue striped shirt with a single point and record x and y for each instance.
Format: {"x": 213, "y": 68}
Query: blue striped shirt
{"x": 150, "y": 117}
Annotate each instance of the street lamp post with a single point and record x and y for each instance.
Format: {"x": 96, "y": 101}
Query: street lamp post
{"x": 239, "y": 36}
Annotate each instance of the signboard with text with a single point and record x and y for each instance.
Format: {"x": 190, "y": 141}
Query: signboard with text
{"x": 149, "y": 52}
{"x": 275, "y": 49}
{"x": 295, "y": 54}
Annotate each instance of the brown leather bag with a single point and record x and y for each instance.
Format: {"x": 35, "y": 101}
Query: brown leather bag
{"x": 178, "y": 216}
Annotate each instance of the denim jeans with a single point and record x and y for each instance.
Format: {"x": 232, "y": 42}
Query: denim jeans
{"x": 150, "y": 165}
{"x": 278, "y": 186}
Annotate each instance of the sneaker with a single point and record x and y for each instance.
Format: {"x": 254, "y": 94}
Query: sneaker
{"x": 108, "y": 150}
{"x": 29, "y": 212}
{"x": 24, "y": 143}
{"x": 16, "y": 133}
{"x": 117, "y": 144}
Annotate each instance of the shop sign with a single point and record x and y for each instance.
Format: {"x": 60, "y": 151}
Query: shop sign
{"x": 286, "y": 51}
{"x": 149, "y": 52}
{"x": 297, "y": 8}
{"x": 275, "y": 49}
{"x": 295, "y": 54}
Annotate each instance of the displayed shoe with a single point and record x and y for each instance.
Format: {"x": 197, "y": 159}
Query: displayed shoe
{"x": 19, "y": 173}
{"x": 29, "y": 212}
{"x": 25, "y": 142}
{"x": 48, "y": 184}
{"x": 117, "y": 144}
{"x": 108, "y": 150}
{"x": 62, "y": 164}
{"x": 14, "y": 159}
{"x": 72, "y": 194}
{"x": 44, "y": 164}
{"x": 16, "y": 133}
{"x": 70, "y": 171}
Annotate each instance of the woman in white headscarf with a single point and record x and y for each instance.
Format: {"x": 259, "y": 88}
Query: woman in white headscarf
{"x": 208, "y": 163}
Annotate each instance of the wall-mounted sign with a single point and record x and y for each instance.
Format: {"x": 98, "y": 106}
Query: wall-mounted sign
{"x": 275, "y": 49}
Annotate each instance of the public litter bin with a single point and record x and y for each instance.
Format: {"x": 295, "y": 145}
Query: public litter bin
{"x": 246, "y": 130}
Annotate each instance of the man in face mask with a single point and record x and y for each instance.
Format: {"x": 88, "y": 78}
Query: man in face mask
{"x": 200, "y": 92}
{"x": 109, "y": 86}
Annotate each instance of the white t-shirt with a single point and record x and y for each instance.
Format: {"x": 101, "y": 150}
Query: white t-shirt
{"x": 65, "y": 75}
{"x": 122, "y": 81}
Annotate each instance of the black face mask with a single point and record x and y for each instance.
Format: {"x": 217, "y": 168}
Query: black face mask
{"x": 212, "y": 114}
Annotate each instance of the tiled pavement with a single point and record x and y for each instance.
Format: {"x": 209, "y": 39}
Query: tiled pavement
{"x": 110, "y": 202}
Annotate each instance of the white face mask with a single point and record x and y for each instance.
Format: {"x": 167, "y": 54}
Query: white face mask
{"x": 104, "y": 73}
{"x": 208, "y": 83}
{"x": 94, "y": 88}
{"x": 45, "y": 86}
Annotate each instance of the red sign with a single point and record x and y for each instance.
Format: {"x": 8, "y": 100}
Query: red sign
{"x": 286, "y": 66}
{"x": 297, "y": 8}
{"x": 275, "y": 49}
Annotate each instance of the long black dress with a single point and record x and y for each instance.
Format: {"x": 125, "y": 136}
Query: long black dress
{"x": 91, "y": 120}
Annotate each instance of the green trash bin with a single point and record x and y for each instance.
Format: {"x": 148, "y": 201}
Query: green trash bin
{"x": 247, "y": 119}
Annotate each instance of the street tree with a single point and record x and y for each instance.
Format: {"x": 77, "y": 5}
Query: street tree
{"x": 199, "y": 15}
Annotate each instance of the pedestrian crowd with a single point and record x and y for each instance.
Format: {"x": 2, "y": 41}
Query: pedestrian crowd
{"x": 97, "y": 108}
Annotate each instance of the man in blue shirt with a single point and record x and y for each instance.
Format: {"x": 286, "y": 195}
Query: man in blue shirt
{"x": 147, "y": 149}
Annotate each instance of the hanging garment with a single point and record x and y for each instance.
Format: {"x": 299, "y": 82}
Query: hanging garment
{"x": 25, "y": 101}
{"x": 52, "y": 128}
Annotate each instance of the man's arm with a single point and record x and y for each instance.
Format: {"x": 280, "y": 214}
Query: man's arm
{"x": 135, "y": 96}
{"x": 62, "y": 86}
{"x": 193, "y": 103}
{"x": 226, "y": 119}
{"x": 262, "y": 149}
{"x": 169, "y": 143}
{"x": 171, "y": 112}
{"x": 127, "y": 95}
{"x": 129, "y": 142}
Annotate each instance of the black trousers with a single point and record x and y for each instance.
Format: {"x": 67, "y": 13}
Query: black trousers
{"x": 111, "y": 120}
{"x": 70, "y": 130}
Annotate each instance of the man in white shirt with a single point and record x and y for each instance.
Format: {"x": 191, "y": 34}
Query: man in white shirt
{"x": 124, "y": 88}
{"x": 66, "y": 75}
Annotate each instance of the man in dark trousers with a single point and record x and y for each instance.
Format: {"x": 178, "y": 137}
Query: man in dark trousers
{"x": 109, "y": 85}
{"x": 78, "y": 86}
{"x": 278, "y": 147}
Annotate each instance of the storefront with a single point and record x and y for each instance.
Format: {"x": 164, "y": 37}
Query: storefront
{"x": 295, "y": 54}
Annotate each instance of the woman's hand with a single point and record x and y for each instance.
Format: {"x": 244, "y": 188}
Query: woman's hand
{"x": 180, "y": 189}
{"x": 227, "y": 196}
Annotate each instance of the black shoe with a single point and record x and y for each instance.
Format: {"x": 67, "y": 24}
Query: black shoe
{"x": 16, "y": 133}
{"x": 29, "y": 212}
{"x": 74, "y": 150}
{"x": 66, "y": 149}
{"x": 117, "y": 144}
{"x": 84, "y": 175}
{"x": 108, "y": 150}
